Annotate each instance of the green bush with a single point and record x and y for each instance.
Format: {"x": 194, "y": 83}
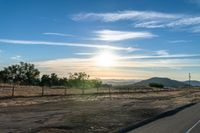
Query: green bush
{"x": 156, "y": 85}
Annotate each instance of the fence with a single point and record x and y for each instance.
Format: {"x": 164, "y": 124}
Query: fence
{"x": 15, "y": 90}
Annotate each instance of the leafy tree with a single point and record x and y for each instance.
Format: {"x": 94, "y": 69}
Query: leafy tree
{"x": 79, "y": 80}
{"x": 106, "y": 85}
{"x": 63, "y": 82}
{"x": 2, "y": 77}
{"x": 28, "y": 73}
{"x": 96, "y": 83}
{"x": 24, "y": 73}
{"x": 45, "y": 80}
{"x": 54, "y": 80}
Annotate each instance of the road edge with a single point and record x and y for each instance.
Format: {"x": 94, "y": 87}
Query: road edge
{"x": 146, "y": 121}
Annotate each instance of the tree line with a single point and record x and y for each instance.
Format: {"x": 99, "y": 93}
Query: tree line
{"x": 26, "y": 74}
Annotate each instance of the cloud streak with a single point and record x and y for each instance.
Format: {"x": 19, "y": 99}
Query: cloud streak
{"x": 162, "y": 56}
{"x": 186, "y": 21}
{"x": 124, "y": 67}
{"x": 113, "y": 35}
{"x": 85, "y": 53}
{"x": 162, "y": 52}
{"x": 63, "y": 66}
{"x": 196, "y": 29}
{"x": 98, "y": 46}
{"x": 180, "y": 41}
{"x": 124, "y": 15}
{"x": 143, "y": 19}
{"x": 58, "y": 34}
{"x": 195, "y": 2}
{"x": 16, "y": 57}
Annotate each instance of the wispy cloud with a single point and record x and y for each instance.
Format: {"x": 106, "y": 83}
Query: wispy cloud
{"x": 186, "y": 21}
{"x": 63, "y": 66}
{"x": 162, "y": 52}
{"x": 124, "y": 15}
{"x": 16, "y": 57}
{"x": 113, "y": 35}
{"x": 194, "y": 1}
{"x": 196, "y": 29}
{"x": 99, "y": 46}
{"x": 180, "y": 41}
{"x": 58, "y": 34}
{"x": 85, "y": 53}
{"x": 150, "y": 24}
{"x": 163, "y": 56}
{"x": 144, "y": 19}
{"x": 124, "y": 66}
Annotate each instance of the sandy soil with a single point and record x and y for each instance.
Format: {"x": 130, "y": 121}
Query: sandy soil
{"x": 88, "y": 113}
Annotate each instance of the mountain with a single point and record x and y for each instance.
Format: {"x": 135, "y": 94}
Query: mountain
{"x": 193, "y": 82}
{"x": 116, "y": 82}
{"x": 165, "y": 81}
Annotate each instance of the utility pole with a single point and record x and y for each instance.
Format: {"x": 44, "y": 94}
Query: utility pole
{"x": 189, "y": 80}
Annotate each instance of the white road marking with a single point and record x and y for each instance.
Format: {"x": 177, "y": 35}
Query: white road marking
{"x": 189, "y": 130}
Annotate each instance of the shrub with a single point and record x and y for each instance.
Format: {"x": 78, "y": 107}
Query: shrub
{"x": 156, "y": 85}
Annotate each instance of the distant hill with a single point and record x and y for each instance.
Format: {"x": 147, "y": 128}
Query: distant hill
{"x": 116, "y": 82}
{"x": 165, "y": 81}
{"x": 193, "y": 82}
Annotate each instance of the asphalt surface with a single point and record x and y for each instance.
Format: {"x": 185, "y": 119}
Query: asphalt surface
{"x": 185, "y": 121}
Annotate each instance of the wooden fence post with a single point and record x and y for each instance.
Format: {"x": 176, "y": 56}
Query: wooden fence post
{"x": 42, "y": 90}
{"x": 65, "y": 90}
{"x": 110, "y": 92}
{"x": 97, "y": 90}
{"x": 13, "y": 90}
{"x": 83, "y": 92}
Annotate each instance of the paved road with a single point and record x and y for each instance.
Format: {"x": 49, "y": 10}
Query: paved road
{"x": 185, "y": 121}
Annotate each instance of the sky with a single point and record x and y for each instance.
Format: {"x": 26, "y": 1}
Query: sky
{"x": 108, "y": 39}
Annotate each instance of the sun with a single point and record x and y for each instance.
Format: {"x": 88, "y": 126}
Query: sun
{"x": 105, "y": 59}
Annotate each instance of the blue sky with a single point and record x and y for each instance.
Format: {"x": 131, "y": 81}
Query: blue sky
{"x": 106, "y": 38}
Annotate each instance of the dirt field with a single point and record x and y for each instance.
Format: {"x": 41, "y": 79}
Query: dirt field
{"x": 86, "y": 113}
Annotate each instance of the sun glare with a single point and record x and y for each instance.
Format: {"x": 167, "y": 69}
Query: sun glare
{"x": 106, "y": 59}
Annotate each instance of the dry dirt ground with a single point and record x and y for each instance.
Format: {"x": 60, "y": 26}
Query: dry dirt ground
{"x": 86, "y": 113}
